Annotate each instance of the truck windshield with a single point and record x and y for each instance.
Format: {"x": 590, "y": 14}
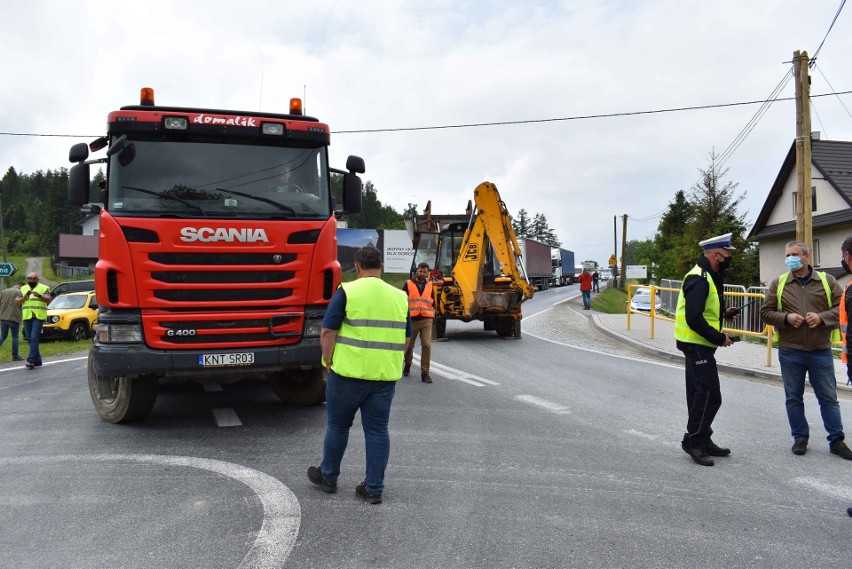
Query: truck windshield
{"x": 211, "y": 179}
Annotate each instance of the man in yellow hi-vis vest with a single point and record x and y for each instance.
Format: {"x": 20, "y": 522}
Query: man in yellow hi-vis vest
{"x": 803, "y": 305}
{"x": 698, "y": 331}
{"x": 363, "y": 340}
{"x": 33, "y": 300}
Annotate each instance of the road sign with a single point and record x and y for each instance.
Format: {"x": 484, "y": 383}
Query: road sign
{"x": 613, "y": 260}
{"x": 7, "y": 269}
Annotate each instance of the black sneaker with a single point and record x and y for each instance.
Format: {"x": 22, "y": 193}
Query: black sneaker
{"x": 406, "y": 370}
{"x": 315, "y": 476}
{"x": 361, "y": 492}
{"x": 698, "y": 454}
{"x": 17, "y": 359}
{"x": 29, "y": 365}
{"x": 800, "y": 446}
{"x": 714, "y": 450}
{"x": 425, "y": 377}
{"x": 840, "y": 449}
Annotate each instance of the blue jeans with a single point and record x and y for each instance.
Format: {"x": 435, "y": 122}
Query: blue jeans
{"x": 587, "y": 298}
{"x": 819, "y": 366}
{"x": 344, "y": 397}
{"x": 32, "y": 330}
{"x": 7, "y": 326}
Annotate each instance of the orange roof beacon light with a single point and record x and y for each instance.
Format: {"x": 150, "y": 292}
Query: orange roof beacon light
{"x": 146, "y": 96}
{"x": 295, "y": 106}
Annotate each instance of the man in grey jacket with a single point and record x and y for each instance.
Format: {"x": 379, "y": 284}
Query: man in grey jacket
{"x": 10, "y": 318}
{"x": 804, "y": 313}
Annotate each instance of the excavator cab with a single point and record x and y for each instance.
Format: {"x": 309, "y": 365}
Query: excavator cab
{"x": 475, "y": 263}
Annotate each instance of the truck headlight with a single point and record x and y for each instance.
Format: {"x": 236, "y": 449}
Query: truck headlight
{"x": 118, "y": 333}
{"x": 313, "y": 325}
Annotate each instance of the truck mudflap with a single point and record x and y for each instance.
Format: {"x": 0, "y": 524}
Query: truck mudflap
{"x": 134, "y": 360}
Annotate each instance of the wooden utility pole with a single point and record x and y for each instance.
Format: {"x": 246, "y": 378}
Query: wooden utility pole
{"x": 804, "y": 212}
{"x": 615, "y": 246}
{"x": 624, "y": 253}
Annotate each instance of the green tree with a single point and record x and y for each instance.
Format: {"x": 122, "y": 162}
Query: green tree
{"x": 709, "y": 209}
{"x": 374, "y": 214}
{"x": 541, "y": 231}
{"x": 522, "y": 224}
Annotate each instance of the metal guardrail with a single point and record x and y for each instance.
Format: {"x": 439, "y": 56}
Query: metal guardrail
{"x": 747, "y": 300}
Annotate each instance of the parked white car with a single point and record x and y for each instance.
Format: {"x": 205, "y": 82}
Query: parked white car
{"x": 641, "y": 300}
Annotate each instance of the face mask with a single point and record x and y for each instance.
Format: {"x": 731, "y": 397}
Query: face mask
{"x": 845, "y": 265}
{"x": 793, "y": 263}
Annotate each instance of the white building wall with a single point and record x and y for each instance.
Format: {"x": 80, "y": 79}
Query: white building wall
{"x": 828, "y": 200}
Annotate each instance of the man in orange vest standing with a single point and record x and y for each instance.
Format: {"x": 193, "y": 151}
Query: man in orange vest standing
{"x": 846, "y": 304}
{"x": 421, "y": 308}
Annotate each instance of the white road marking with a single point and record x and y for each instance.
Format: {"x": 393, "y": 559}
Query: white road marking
{"x": 641, "y": 434}
{"x": 544, "y": 404}
{"x": 45, "y": 364}
{"x": 650, "y": 437}
{"x": 281, "y": 511}
{"x": 590, "y": 350}
{"x": 457, "y": 374}
{"x": 833, "y": 490}
{"x": 226, "y": 417}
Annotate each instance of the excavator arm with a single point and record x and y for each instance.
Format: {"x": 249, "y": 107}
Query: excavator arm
{"x": 490, "y": 221}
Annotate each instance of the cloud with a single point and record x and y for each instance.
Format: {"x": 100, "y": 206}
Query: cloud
{"x": 385, "y": 64}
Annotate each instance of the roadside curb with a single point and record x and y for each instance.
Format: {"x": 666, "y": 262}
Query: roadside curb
{"x": 677, "y": 357}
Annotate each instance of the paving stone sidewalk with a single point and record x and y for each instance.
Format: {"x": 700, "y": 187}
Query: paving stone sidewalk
{"x": 566, "y": 322}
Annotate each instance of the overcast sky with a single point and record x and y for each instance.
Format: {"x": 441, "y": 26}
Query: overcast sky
{"x": 385, "y": 64}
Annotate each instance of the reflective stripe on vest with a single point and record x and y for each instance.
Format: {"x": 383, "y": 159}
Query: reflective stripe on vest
{"x": 712, "y": 309}
{"x": 420, "y": 304}
{"x": 34, "y": 307}
{"x": 844, "y": 323}
{"x": 371, "y": 341}
{"x": 836, "y": 334}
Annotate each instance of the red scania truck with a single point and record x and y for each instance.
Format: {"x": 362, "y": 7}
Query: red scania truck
{"x": 217, "y": 250}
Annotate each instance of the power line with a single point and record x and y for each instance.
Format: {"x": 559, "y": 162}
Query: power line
{"x": 574, "y": 118}
{"x": 501, "y": 123}
{"x": 818, "y": 68}
{"x": 836, "y": 15}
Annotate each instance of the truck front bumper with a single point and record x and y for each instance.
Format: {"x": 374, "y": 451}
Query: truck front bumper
{"x": 118, "y": 360}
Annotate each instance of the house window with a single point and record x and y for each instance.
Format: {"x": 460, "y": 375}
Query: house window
{"x": 815, "y": 254}
{"x": 813, "y": 202}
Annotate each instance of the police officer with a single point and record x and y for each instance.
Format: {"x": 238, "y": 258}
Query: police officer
{"x": 363, "y": 339}
{"x": 33, "y": 300}
{"x": 698, "y": 331}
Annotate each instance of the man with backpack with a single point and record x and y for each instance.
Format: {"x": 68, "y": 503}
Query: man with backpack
{"x": 804, "y": 307}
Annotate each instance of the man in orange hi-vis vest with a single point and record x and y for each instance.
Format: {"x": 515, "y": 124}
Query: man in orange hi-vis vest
{"x": 846, "y": 304}
{"x": 422, "y": 310}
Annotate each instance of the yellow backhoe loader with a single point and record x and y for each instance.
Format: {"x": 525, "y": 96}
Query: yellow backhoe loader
{"x": 475, "y": 262}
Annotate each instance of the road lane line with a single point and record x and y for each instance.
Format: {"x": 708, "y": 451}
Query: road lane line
{"x": 281, "y": 511}
{"x": 226, "y": 417}
{"x": 45, "y": 364}
{"x": 833, "y": 490}
{"x": 457, "y": 374}
{"x": 544, "y": 404}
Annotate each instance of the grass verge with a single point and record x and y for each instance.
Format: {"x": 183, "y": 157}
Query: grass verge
{"x": 45, "y": 347}
{"x": 611, "y": 301}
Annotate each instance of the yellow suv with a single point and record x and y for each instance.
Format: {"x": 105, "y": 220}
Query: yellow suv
{"x": 71, "y": 316}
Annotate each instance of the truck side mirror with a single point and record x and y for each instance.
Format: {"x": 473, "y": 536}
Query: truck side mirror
{"x": 351, "y": 192}
{"x": 356, "y": 164}
{"x": 78, "y": 152}
{"x": 78, "y": 184}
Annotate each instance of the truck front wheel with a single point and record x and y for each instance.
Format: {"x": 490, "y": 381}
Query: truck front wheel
{"x": 122, "y": 399}
{"x": 301, "y": 388}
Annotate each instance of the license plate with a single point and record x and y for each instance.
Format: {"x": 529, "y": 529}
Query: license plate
{"x": 222, "y": 360}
